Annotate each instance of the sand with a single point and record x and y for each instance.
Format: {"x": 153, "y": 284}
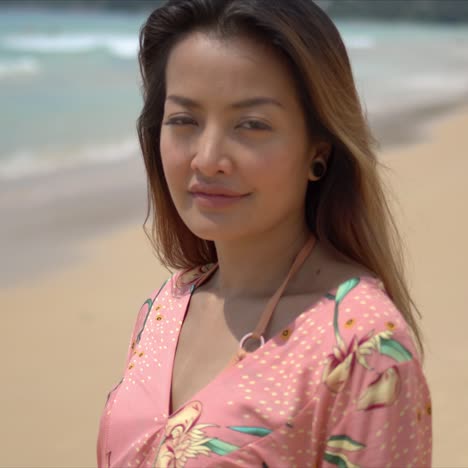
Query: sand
{"x": 429, "y": 180}
{"x": 65, "y": 329}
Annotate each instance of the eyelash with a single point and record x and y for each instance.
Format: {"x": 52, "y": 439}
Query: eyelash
{"x": 180, "y": 121}
{"x": 257, "y": 125}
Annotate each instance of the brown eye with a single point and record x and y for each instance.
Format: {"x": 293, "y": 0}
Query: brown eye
{"x": 180, "y": 121}
{"x": 255, "y": 125}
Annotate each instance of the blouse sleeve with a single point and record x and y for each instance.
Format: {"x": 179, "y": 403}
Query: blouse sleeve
{"x": 373, "y": 403}
{"x": 381, "y": 417}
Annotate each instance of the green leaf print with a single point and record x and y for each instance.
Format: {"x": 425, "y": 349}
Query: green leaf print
{"x": 336, "y": 328}
{"x": 150, "y": 303}
{"x": 256, "y": 431}
{"x": 345, "y": 288}
{"x": 341, "y": 442}
{"x": 395, "y": 350}
{"x": 220, "y": 447}
{"x": 344, "y": 442}
{"x": 339, "y": 460}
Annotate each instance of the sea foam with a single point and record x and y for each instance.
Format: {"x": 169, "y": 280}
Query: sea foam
{"x": 119, "y": 45}
{"x": 27, "y": 161}
{"x": 19, "y": 66}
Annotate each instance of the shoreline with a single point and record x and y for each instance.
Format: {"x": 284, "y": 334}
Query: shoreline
{"x": 68, "y": 329}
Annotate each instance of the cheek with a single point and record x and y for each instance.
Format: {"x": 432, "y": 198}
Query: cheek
{"x": 282, "y": 180}
{"x": 174, "y": 159}
{"x": 279, "y": 168}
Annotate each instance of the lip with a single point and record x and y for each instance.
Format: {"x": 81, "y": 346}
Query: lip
{"x": 215, "y": 190}
{"x": 215, "y": 197}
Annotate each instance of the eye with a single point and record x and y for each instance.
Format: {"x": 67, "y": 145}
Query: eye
{"x": 255, "y": 125}
{"x": 180, "y": 121}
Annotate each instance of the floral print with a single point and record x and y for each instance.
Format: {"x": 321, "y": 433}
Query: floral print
{"x": 382, "y": 391}
{"x": 183, "y": 438}
{"x": 341, "y": 362}
{"x": 342, "y": 443}
{"x": 341, "y": 385}
{"x": 188, "y": 277}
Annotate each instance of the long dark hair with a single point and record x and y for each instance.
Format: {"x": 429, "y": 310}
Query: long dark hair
{"x": 347, "y": 209}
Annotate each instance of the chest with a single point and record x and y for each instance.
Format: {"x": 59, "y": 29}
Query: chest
{"x": 210, "y": 335}
{"x": 181, "y": 356}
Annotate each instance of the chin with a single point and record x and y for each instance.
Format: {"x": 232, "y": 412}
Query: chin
{"x": 211, "y": 228}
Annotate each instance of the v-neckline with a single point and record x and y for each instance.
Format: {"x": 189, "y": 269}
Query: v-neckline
{"x": 170, "y": 411}
{"x": 227, "y": 370}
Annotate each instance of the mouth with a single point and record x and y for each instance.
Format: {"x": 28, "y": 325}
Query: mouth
{"x": 216, "y": 197}
{"x": 214, "y": 190}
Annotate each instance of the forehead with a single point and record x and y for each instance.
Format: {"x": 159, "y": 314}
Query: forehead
{"x": 227, "y": 69}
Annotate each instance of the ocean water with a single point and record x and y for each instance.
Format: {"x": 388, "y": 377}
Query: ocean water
{"x": 70, "y": 85}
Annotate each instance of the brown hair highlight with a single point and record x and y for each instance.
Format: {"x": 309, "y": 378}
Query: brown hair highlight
{"x": 347, "y": 209}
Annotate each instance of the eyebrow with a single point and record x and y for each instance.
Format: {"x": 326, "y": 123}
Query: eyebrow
{"x": 250, "y": 102}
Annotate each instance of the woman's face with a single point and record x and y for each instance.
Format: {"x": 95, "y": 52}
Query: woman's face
{"x": 233, "y": 123}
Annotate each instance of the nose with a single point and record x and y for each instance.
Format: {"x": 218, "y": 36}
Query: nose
{"x": 210, "y": 152}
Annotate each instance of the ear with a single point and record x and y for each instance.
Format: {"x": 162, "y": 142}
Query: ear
{"x": 320, "y": 150}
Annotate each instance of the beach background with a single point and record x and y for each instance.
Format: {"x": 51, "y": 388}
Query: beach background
{"x": 75, "y": 264}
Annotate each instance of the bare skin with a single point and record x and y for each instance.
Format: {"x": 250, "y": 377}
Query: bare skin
{"x": 232, "y": 118}
{"x": 213, "y": 326}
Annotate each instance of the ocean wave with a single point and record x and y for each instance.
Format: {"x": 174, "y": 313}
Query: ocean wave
{"x": 358, "y": 42}
{"x": 19, "y": 66}
{"x": 24, "y": 162}
{"x": 444, "y": 84}
{"x": 119, "y": 45}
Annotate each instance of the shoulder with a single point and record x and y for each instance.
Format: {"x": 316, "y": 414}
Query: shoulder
{"x": 363, "y": 307}
{"x": 373, "y": 380}
{"x": 176, "y": 287}
{"x": 179, "y": 284}
{"x": 368, "y": 331}
{"x": 185, "y": 279}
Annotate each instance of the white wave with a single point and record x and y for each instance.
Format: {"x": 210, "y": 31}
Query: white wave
{"x": 19, "y": 66}
{"x": 436, "y": 84}
{"x": 22, "y": 162}
{"x": 358, "y": 42}
{"x": 109, "y": 151}
{"x": 25, "y": 161}
{"x": 123, "y": 46}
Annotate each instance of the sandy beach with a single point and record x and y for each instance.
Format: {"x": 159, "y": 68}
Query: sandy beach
{"x": 429, "y": 181}
{"x": 68, "y": 308}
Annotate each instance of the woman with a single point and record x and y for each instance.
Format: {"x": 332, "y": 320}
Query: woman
{"x": 286, "y": 337}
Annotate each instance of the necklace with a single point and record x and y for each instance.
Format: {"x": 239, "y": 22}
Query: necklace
{"x": 272, "y": 303}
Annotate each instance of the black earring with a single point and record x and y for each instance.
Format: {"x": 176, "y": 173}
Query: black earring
{"x": 318, "y": 168}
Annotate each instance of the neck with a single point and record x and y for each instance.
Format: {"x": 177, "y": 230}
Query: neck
{"x": 254, "y": 268}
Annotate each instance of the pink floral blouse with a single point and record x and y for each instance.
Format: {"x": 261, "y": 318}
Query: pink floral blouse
{"x": 342, "y": 385}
